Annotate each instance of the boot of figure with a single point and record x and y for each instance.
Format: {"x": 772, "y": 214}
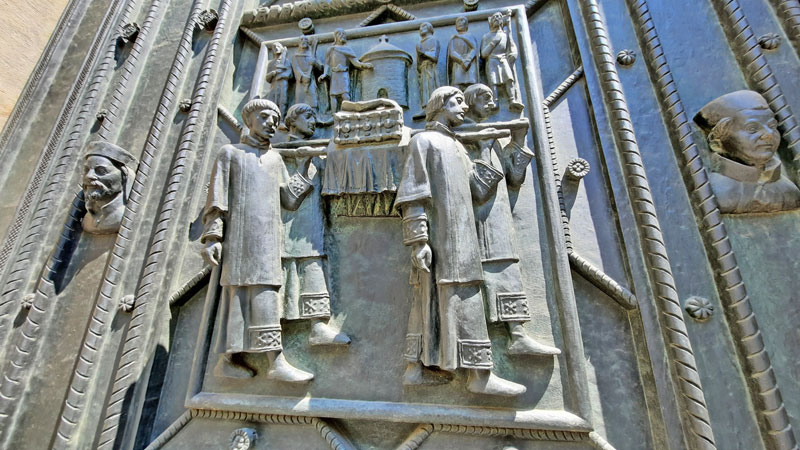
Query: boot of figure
{"x": 281, "y": 370}
{"x": 487, "y": 383}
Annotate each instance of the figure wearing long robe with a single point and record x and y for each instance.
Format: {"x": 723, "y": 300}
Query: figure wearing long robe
{"x": 305, "y": 290}
{"x": 304, "y": 65}
{"x": 249, "y": 186}
{"x": 427, "y": 59}
{"x": 279, "y": 72}
{"x": 448, "y": 327}
{"x": 503, "y": 290}
{"x": 462, "y": 60}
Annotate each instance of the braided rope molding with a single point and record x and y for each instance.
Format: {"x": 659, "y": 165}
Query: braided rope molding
{"x": 597, "y": 277}
{"x": 755, "y": 67}
{"x": 225, "y": 114}
{"x": 562, "y": 205}
{"x": 789, "y": 13}
{"x": 130, "y": 69}
{"x": 551, "y": 143}
{"x": 189, "y": 285}
{"x": 563, "y": 87}
{"x": 294, "y": 11}
{"x": 602, "y": 281}
{"x": 733, "y": 293}
{"x": 104, "y": 306}
{"x": 251, "y": 35}
{"x": 398, "y": 12}
{"x": 15, "y": 373}
{"x": 694, "y": 412}
{"x": 424, "y": 431}
{"x": 171, "y": 431}
{"x": 28, "y": 251}
{"x": 137, "y": 346}
{"x": 335, "y": 440}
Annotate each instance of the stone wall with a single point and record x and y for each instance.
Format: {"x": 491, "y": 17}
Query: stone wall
{"x": 27, "y": 26}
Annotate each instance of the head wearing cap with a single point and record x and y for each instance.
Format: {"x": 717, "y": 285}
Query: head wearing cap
{"x": 259, "y": 104}
{"x": 116, "y": 154}
{"x": 121, "y": 158}
{"x": 727, "y": 106}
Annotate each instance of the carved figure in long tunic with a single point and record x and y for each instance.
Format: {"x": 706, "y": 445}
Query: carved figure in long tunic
{"x": 305, "y": 289}
{"x": 427, "y": 60}
{"x": 462, "y": 57}
{"x": 500, "y": 53}
{"x": 108, "y": 172}
{"x": 305, "y": 64}
{"x": 243, "y": 231}
{"x": 447, "y": 326}
{"x": 503, "y": 291}
{"x": 279, "y": 72}
{"x": 338, "y": 60}
{"x": 743, "y": 137}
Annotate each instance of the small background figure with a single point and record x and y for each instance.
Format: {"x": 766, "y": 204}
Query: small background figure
{"x": 338, "y": 60}
{"x": 500, "y": 53}
{"x": 427, "y": 59}
{"x": 305, "y": 66}
{"x": 279, "y": 72}
{"x": 462, "y": 57}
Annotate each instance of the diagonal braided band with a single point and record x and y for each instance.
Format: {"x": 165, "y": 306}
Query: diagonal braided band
{"x": 684, "y": 367}
{"x": 84, "y": 374}
{"x": 138, "y": 345}
{"x": 789, "y": 13}
{"x": 754, "y": 65}
{"x": 752, "y": 354}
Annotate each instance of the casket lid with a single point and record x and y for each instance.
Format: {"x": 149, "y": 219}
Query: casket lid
{"x": 385, "y": 50}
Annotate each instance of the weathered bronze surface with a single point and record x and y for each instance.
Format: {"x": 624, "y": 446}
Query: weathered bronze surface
{"x": 353, "y": 224}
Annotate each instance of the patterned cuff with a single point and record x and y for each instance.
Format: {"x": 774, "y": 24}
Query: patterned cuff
{"x": 264, "y": 339}
{"x": 520, "y": 157}
{"x": 486, "y": 174}
{"x": 415, "y": 229}
{"x": 413, "y": 347}
{"x": 316, "y": 305}
{"x": 299, "y": 185}
{"x": 513, "y": 307}
{"x": 473, "y": 354}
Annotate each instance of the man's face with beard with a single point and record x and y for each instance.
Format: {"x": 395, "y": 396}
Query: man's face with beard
{"x": 102, "y": 181}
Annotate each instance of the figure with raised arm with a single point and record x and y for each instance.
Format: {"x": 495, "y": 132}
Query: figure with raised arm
{"x": 305, "y": 64}
{"x": 506, "y": 301}
{"x": 305, "y": 288}
{"x": 438, "y": 180}
{"x": 338, "y": 60}
{"x": 500, "y": 53}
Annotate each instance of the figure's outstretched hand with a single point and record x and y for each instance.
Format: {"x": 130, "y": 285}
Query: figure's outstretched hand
{"x": 212, "y": 253}
{"x": 421, "y": 257}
